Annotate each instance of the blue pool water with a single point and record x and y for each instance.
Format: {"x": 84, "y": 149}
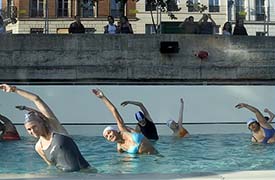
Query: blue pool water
{"x": 210, "y": 153}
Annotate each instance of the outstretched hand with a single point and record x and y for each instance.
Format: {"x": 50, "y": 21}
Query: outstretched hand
{"x": 240, "y": 105}
{"x": 266, "y": 110}
{"x": 21, "y": 107}
{"x": 124, "y": 103}
{"x": 7, "y": 88}
{"x": 98, "y": 92}
{"x": 182, "y": 103}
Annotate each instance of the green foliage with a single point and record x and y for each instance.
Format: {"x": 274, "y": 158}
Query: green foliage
{"x": 196, "y": 6}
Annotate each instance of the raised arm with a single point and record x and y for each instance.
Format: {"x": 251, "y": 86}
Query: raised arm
{"x": 271, "y": 115}
{"x": 258, "y": 114}
{"x": 112, "y": 108}
{"x": 141, "y": 106}
{"x": 40, "y": 104}
{"x": 32, "y": 110}
{"x": 181, "y": 113}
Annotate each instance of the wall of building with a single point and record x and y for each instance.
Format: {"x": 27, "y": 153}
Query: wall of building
{"x": 138, "y": 22}
{"x": 94, "y": 58}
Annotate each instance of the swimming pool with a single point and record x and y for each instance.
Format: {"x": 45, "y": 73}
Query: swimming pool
{"x": 199, "y": 153}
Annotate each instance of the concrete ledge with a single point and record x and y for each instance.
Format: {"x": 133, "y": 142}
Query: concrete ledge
{"x": 99, "y": 58}
{"x": 242, "y": 175}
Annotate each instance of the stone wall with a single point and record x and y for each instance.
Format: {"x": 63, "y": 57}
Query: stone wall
{"x": 136, "y": 59}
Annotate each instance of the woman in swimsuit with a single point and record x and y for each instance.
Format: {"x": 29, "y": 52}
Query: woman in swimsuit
{"x": 176, "y": 127}
{"x": 145, "y": 123}
{"x": 126, "y": 138}
{"x": 262, "y": 131}
{"x": 54, "y": 145}
{"x": 9, "y": 131}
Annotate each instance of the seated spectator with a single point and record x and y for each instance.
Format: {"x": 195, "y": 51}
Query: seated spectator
{"x": 124, "y": 27}
{"x": 189, "y": 26}
{"x": 239, "y": 28}
{"x": 76, "y": 26}
{"x": 205, "y": 26}
{"x": 110, "y": 28}
{"x": 227, "y": 29}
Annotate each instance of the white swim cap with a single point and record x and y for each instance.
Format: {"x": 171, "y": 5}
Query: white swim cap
{"x": 169, "y": 122}
{"x": 250, "y": 120}
{"x": 109, "y": 128}
{"x": 32, "y": 116}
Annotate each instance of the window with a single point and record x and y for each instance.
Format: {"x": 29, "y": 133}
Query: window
{"x": 36, "y": 8}
{"x": 62, "y": 31}
{"x": 149, "y": 29}
{"x": 260, "y": 33}
{"x": 62, "y": 8}
{"x": 87, "y": 8}
{"x": 90, "y": 30}
{"x": 260, "y": 10}
{"x": 150, "y": 5}
{"x": 114, "y": 7}
{"x": 191, "y": 4}
{"x": 37, "y": 30}
{"x": 172, "y": 5}
{"x": 240, "y": 10}
{"x": 8, "y": 9}
{"x": 214, "y": 6}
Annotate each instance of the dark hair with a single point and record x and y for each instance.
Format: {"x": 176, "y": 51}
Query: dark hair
{"x": 266, "y": 118}
{"x": 190, "y": 17}
{"x": 230, "y": 27}
{"x": 238, "y": 21}
{"x": 125, "y": 17}
{"x": 111, "y": 18}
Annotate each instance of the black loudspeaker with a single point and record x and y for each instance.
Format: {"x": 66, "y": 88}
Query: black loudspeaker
{"x": 169, "y": 47}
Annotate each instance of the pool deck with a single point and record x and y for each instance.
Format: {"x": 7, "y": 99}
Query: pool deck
{"x": 241, "y": 175}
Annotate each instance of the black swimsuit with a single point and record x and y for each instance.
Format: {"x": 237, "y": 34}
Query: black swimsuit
{"x": 64, "y": 154}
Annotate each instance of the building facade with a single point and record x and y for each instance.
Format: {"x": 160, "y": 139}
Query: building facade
{"x": 55, "y": 16}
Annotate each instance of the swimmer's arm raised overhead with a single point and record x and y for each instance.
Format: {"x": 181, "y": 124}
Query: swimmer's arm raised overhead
{"x": 40, "y": 104}
{"x": 181, "y": 113}
{"x": 258, "y": 114}
{"x": 140, "y": 105}
{"x": 112, "y": 108}
{"x": 32, "y": 110}
{"x": 271, "y": 115}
